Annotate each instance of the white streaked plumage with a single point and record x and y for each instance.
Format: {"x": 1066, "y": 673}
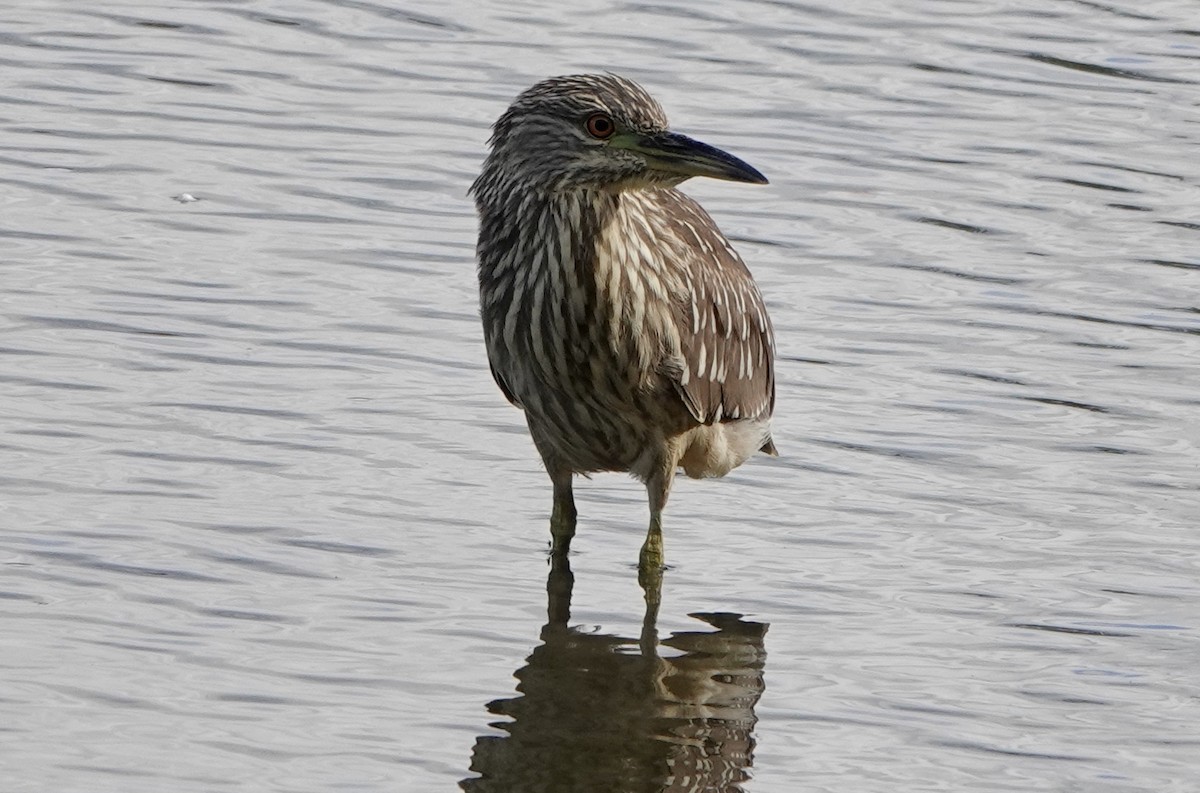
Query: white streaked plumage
{"x": 615, "y": 312}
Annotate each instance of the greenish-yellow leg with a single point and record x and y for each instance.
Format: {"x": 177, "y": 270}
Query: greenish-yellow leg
{"x": 650, "y": 562}
{"x": 652, "y": 548}
{"x": 562, "y": 516}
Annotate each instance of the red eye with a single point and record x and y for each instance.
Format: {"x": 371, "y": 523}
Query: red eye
{"x": 599, "y": 125}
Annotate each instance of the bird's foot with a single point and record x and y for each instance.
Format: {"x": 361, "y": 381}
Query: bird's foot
{"x": 562, "y": 529}
{"x": 650, "y": 577}
{"x": 651, "y": 564}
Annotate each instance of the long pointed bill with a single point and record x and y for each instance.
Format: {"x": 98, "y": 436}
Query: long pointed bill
{"x": 675, "y": 153}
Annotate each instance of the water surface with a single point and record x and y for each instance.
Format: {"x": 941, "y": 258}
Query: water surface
{"x": 267, "y": 524}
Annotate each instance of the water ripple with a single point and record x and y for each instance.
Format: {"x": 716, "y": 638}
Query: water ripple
{"x": 262, "y": 510}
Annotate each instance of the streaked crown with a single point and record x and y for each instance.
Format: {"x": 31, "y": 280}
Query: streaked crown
{"x": 554, "y": 135}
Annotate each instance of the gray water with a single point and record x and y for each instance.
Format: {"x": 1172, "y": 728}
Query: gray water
{"x": 266, "y": 524}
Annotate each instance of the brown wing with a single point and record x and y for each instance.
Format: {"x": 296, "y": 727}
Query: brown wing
{"x": 726, "y": 338}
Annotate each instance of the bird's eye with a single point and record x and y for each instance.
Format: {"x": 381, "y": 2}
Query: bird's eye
{"x": 599, "y": 125}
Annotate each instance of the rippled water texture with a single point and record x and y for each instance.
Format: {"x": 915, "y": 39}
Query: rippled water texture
{"x": 268, "y": 525}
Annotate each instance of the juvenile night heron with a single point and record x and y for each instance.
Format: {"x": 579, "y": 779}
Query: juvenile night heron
{"x": 615, "y": 312}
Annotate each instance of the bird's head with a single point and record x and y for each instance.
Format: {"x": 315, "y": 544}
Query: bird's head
{"x": 596, "y": 132}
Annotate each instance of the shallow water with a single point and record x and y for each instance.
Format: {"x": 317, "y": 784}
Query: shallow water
{"x": 267, "y": 524}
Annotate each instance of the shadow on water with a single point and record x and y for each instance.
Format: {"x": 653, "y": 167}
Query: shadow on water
{"x": 600, "y": 712}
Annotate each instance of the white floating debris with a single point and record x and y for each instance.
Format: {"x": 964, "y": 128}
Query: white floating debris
{"x": 185, "y": 198}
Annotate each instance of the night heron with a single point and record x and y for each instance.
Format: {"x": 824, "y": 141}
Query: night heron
{"x": 616, "y": 314}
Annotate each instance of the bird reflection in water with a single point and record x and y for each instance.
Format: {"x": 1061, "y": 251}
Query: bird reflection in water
{"x": 599, "y": 712}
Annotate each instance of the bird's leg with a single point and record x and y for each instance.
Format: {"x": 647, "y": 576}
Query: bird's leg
{"x": 562, "y": 516}
{"x": 650, "y": 562}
